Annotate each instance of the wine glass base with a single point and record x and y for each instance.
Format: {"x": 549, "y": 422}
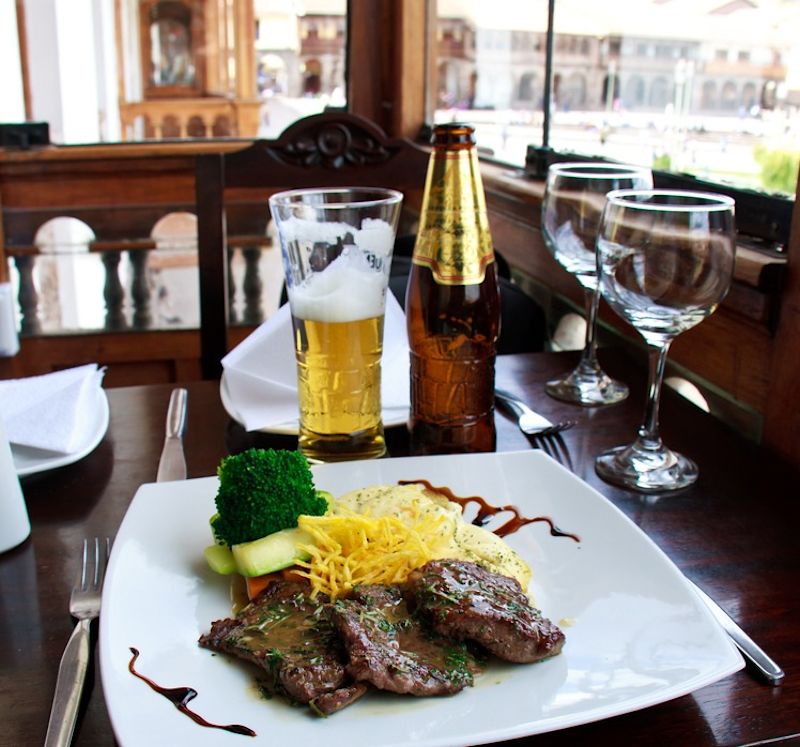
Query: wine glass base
{"x": 646, "y": 470}
{"x": 590, "y": 389}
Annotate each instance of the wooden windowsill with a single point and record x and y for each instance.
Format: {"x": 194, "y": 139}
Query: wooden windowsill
{"x": 759, "y": 270}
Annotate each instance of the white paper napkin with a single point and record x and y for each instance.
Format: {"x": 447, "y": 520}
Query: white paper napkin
{"x": 261, "y": 375}
{"x": 54, "y": 411}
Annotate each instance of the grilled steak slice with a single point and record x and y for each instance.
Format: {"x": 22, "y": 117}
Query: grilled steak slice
{"x": 393, "y": 650}
{"x": 462, "y": 600}
{"x": 288, "y": 635}
{"x": 329, "y": 703}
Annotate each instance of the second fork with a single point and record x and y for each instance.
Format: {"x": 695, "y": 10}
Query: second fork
{"x": 531, "y": 423}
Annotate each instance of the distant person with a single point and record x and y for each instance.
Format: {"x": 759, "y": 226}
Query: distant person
{"x": 312, "y": 85}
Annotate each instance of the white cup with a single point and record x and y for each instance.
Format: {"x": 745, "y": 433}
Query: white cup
{"x": 14, "y": 523}
{"x": 9, "y": 338}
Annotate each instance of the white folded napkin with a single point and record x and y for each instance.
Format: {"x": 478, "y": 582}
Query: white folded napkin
{"x": 54, "y": 411}
{"x": 261, "y": 375}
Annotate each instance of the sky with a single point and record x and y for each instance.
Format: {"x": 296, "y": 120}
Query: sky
{"x": 684, "y": 19}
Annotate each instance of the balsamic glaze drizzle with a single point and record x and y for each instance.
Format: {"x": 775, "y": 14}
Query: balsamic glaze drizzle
{"x": 486, "y": 510}
{"x": 180, "y": 698}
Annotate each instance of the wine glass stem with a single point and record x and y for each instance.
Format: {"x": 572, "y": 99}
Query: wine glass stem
{"x": 589, "y": 356}
{"x": 649, "y": 437}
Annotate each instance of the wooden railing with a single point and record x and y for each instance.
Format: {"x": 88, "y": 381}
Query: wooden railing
{"x": 207, "y": 117}
{"x": 129, "y": 306}
{"x": 120, "y": 192}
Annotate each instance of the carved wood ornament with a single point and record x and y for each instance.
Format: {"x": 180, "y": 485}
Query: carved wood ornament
{"x": 332, "y": 145}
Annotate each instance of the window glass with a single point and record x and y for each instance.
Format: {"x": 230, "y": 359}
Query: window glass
{"x": 156, "y": 69}
{"x": 300, "y": 48}
{"x": 170, "y": 32}
{"x": 12, "y": 101}
{"x": 300, "y": 52}
{"x": 706, "y": 87}
{"x": 490, "y": 71}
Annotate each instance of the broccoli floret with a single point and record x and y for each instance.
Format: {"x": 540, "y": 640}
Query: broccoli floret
{"x": 262, "y": 491}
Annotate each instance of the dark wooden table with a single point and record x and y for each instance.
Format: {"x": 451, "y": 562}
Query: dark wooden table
{"x": 735, "y": 533}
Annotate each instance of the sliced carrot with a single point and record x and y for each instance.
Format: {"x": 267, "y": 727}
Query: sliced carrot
{"x": 257, "y": 584}
{"x": 291, "y": 574}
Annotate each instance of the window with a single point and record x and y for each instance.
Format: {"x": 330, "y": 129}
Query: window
{"x": 649, "y": 83}
{"x": 708, "y": 100}
{"x": 169, "y": 35}
{"x": 527, "y": 87}
{"x": 634, "y": 92}
{"x": 154, "y": 69}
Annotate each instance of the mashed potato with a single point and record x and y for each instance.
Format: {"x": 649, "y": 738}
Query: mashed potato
{"x": 454, "y": 537}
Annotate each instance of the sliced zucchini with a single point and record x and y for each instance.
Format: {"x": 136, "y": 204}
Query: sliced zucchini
{"x": 271, "y": 553}
{"x": 220, "y": 559}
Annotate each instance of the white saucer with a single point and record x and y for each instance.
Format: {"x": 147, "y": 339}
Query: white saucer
{"x": 29, "y": 461}
{"x": 392, "y": 416}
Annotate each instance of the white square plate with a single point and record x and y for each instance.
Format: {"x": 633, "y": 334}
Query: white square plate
{"x": 638, "y": 634}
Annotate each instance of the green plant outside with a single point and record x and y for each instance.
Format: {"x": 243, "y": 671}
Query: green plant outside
{"x": 778, "y": 169}
{"x": 662, "y": 162}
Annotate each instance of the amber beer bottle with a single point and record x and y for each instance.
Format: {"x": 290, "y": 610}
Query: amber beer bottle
{"x": 453, "y": 305}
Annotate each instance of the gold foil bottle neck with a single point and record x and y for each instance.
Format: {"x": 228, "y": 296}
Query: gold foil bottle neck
{"x": 454, "y": 240}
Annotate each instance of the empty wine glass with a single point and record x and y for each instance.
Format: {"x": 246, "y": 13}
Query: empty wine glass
{"x": 665, "y": 260}
{"x": 573, "y": 202}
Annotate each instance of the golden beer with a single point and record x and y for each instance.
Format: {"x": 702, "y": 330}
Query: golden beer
{"x": 337, "y": 250}
{"x": 339, "y": 388}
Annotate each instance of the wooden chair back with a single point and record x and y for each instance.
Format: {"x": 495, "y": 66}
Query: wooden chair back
{"x": 324, "y": 150}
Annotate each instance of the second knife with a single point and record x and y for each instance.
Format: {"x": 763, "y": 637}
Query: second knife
{"x": 172, "y": 464}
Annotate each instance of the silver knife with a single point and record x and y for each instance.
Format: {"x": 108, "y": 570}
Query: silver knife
{"x": 172, "y": 464}
{"x": 751, "y": 651}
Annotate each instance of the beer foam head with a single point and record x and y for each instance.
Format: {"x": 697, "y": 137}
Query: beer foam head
{"x": 352, "y": 286}
{"x": 375, "y": 235}
{"x": 348, "y": 289}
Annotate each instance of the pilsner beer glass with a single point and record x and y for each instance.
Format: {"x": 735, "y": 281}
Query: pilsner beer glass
{"x": 337, "y": 250}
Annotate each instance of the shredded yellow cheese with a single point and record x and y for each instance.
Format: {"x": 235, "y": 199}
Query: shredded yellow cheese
{"x": 351, "y": 549}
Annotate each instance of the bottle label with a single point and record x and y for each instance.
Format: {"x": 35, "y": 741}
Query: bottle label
{"x": 454, "y": 239}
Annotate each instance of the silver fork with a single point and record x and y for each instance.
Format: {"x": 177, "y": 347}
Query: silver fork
{"x": 553, "y": 445}
{"x": 530, "y": 422}
{"x": 84, "y": 605}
